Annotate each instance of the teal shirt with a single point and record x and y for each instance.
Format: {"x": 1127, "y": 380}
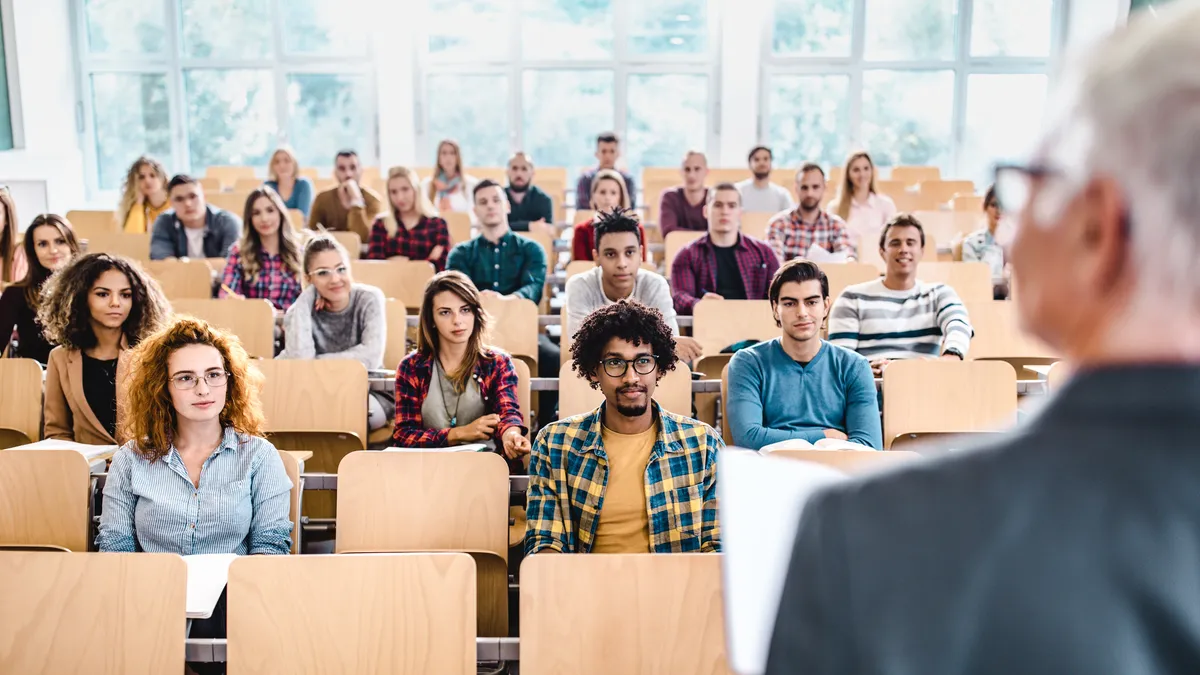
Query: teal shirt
{"x": 535, "y": 206}
{"x": 513, "y": 266}
{"x": 773, "y": 398}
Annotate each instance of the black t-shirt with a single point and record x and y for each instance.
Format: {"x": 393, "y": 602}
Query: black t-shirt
{"x": 100, "y": 390}
{"x": 15, "y": 313}
{"x": 729, "y": 276}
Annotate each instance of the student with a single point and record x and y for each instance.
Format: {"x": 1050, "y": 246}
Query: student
{"x": 618, "y": 275}
{"x": 898, "y": 316}
{"x": 449, "y": 189}
{"x": 682, "y": 207}
{"x": 193, "y": 228}
{"x": 864, "y": 211}
{"x": 13, "y": 263}
{"x": 608, "y": 193}
{"x": 49, "y": 245}
{"x": 283, "y": 176}
{"x": 759, "y": 194}
{"x": 265, "y": 264}
{"x": 981, "y": 246}
{"x": 628, "y": 477}
{"x": 335, "y": 318}
{"x": 799, "y": 386}
{"x": 410, "y": 228}
{"x": 454, "y": 389}
{"x": 792, "y": 233}
{"x": 724, "y": 264}
{"x": 608, "y": 151}
{"x": 95, "y": 309}
{"x": 347, "y": 207}
{"x": 144, "y": 197}
{"x": 531, "y": 207}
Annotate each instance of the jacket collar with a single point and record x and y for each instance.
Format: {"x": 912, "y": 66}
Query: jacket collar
{"x": 591, "y": 440}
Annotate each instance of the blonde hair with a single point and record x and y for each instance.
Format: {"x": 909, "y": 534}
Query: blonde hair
{"x": 130, "y": 191}
{"x": 250, "y": 245}
{"x": 610, "y": 174}
{"x": 846, "y": 190}
{"x": 437, "y": 166}
{"x": 284, "y": 150}
{"x": 391, "y": 218}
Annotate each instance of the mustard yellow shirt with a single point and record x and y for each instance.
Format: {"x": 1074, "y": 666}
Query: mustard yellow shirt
{"x": 141, "y": 218}
{"x": 624, "y": 521}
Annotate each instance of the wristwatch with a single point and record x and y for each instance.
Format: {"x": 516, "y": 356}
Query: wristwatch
{"x": 955, "y": 352}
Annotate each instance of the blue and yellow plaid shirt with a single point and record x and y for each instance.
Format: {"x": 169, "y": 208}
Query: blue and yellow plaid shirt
{"x": 568, "y": 472}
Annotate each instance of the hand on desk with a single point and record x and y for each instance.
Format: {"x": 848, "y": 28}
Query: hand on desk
{"x": 481, "y": 429}
{"x": 514, "y": 443}
{"x": 836, "y": 435}
{"x": 878, "y": 366}
{"x": 688, "y": 348}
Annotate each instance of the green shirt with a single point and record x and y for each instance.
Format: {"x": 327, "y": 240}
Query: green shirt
{"x": 536, "y": 205}
{"x": 514, "y": 266}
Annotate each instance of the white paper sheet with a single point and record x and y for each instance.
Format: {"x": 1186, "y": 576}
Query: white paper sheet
{"x": 88, "y": 451}
{"x": 820, "y": 255}
{"x": 468, "y": 447}
{"x": 207, "y": 575}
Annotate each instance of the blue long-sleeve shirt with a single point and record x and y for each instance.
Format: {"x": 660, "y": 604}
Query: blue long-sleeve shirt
{"x": 302, "y": 195}
{"x": 773, "y": 398}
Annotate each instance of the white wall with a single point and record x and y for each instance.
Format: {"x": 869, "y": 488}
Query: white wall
{"x": 741, "y": 76}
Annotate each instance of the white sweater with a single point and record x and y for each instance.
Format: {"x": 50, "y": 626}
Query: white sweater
{"x": 878, "y": 322}
{"x": 585, "y": 295}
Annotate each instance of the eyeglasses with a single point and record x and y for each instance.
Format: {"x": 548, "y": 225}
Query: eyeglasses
{"x": 326, "y": 273}
{"x": 642, "y": 365}
{"x": 1013, "y": 184}
{"x": 213, "y": 378}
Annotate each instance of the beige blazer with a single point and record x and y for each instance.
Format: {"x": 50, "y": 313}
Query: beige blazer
{"x": 68, "y": 415}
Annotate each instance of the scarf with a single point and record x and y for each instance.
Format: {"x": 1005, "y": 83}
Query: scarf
{"x": 445, "y": 188}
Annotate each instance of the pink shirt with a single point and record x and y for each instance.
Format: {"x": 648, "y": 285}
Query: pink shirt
{"x": 868, "y": 218}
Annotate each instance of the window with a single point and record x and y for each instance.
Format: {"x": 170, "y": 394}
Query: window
{"x": 659, "y": 135}
{"x": 809, "y": 118}
{"x": 131, "y": 116}
{"x": 563, "y": 111}
{"x": 470, "y": 109}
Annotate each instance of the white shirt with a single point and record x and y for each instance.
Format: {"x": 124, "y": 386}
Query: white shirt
{"x": 867, "y": 218}
{"x": 771, "y": 199}
{"x": 195, "y": 240}
{"x": 585, "y": 294}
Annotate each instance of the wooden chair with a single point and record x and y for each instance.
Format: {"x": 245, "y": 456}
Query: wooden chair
{"x": 971, "y": 280}
{"x": 912, "y": 175}
{"x": 292, "y": 466}
{"x": 841, "y": 275}
{"x": 101, "y": 613}
{"x": 911, "y": 202}
{"x": 234, "y": 202}
{"x": 459, "y": 225}
{"x": 889, "y": 188}
{"x": 726, "y": 432}
{"x": 948, "y": 225}
{"x": 787, "y": 178}
{"x": 309, "y": 172}
{"x": 659, "y": 614}
{"x": 296, "y": 218}
{"x": 579, "y": 267}
{"x": 514, "y": 327}
{"x": 401, "y": 279}
{"x": 498, "y": 174}
{"x": 967, "y": 203}
{"x": 247, "y": 185}
{"x": 942, "y": 191}
{"x": 252, "y": 321}
{"x": 44, "y": 498}
{"x": 524, "y": 391}
{"x": 351, "y": 241}
{"x": 21, "y": 392}
{"x": 675, "y": 241}
{"x": 754, "y": 224}
{"x": 229, "y": 175}
{"x": 322, "y": 184}
{"x": 998, "y": 336}
{"x": 1060, "y": 374}
{"x": 717, "y": 324}
{"x": 575, "y": 395}
{"x": 182, "y": 279}
{"x": 446, "y": 501}
{"x": 373, "y": 174}
{"x": 397, "y": 333}
{"x": 850, "y": 462}
{"x": 86, "y": 224}
{"x": 400, "y": 614}
{"x": 944, "y": 397}
{"x": 135, "y": 246}
{"x": 582, "y": 216}
{"x": 659, "y": 174}
{"x": 209, "y": 185}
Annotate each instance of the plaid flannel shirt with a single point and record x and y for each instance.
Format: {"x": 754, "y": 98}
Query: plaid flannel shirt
{"x": 694, "y": 270}
{"x": 568, "y": 472}
{"x": 414, "y": 244}
{"x": 791, "y": 237}
{"x": 497, "y": 380}
{"x": 275, "y": 281}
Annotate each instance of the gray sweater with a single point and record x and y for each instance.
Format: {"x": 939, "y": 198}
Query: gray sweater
{"x": 585, "y": 295}
{"x": 358, "y": 332}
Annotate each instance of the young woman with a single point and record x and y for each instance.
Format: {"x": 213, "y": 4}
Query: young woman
{"x": 13, "y": 264}
{"x": 265, "y": 263}
{"x": 864, "y": 210}
{"x": 410, "y": 228}
{"x": 96, "y": 309}
{"x": 284, "y": 177}
{"x": 449, "y": 189}
{"x": 144, "y": 197}
{"x": 608, "y": 192}
{"x": 454, "y": 389}
{"x": 335, "y": 318}
{"x": 981, "y": 246}
{"x": 49, "y": 245}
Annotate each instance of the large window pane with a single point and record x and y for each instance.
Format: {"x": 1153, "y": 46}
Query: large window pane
{"x": 131, "y": 117}
{"x": 469, "y": 29}
{"x": 810, "y": 119}
{"x": 328, "y": 112}
{"x": 812, "y": 27}
{"x": 231, "y": 117}
{"x": 907, "y": 116}
{"x": 659, "y": 134}
{"x": 1004, "y": 116}
{"x": 563, "y": 112}
{"x": 668, "y": 27}
{"x": 1011, "y": 27}
{"x": 325, "y": 27}
{"x": 567, "y": 29}
{"x": 910, "y": 30}
{"x": 125, "y": 27}
{"x": 472, "y": 110}
{"x": 226, "y": 29}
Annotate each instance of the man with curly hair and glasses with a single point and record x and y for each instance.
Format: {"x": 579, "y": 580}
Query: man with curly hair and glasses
{"x": 627, "y": 477}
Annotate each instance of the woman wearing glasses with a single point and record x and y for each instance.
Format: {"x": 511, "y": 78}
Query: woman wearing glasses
{"x": 49, "y": 245}
{"x": 96, "y": 309}
{"x": 335, "y": 318}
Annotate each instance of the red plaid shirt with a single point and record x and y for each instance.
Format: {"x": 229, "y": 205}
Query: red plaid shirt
{"x": 414, "y": 244}
{"x": 791, "y": 237}
{"x": 497, "y": 380}
{"x": 694, "y": 270}
{"x": 275, "y": 281}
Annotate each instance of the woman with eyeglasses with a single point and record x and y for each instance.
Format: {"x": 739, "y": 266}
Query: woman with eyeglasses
{"x": 49, "y": 245}
{"x": 981, "y": 246}
{"x": 96, "y": 309}
{"x": 335, "y": 318}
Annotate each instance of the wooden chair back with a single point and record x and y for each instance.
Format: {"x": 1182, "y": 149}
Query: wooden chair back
{"x": 1059, "y": 375}
{"x": 229, "y": 175}
{"x": 351, "y": 241}
{"x": 296, "y": 218}
{"x": 575, "y": 395}
{"x": 403, "y": 280}
{"x": 323, "y": 395}
{"x": 86, "y": 224}
{"x": 209, "y": 185}
{"x": 21, "y": 392}
{"x": 513, "y": 326}
{"x": 754, "y": 224}
{"x": 936, "y": 396}
{"x": 182, "y": 279}
{"x": 717, "y": 324}
{"x": 44, "y": 498}
{"x": 998, "y": 334}
{"x": 247, "y": 185}
{"x": 726, "y": 432}
{"x": 967, "y": 203}
{"x": 397, "y": 333}
{"x": 845, "y": 274}
{"x": 234, "y": 202}
{"x": 524, "y": 391}
{"x": 292, "y": 466}
{"x": 322, "y": 184}
{"x": 888, "y": 188}
{"x": 582, "y": 216}
{"x": 135, "y": 246}
{"x": 911, "y": 202}
{"x": 309, "y": 172}
{"x": 674, "y": 242}
{"x": 459, "y": 225}
{"x": 948, "y": 225}
{"x": 579, "y": 267}
{"x": 252, "y": 321}
{"x": 942, "y": 191}
{"x": 971, "y": 280}
{"x": 787, "y": 178}
{"x": 850, "y": 462}
{"x": 912, "y": 175}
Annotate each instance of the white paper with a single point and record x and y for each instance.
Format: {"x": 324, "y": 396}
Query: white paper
{"x": 207, "y": 575}
{"x": 761, "y": 499}
{"x": 468, "y": 447}
{"x": 823, "y": 444}
{"x": 88, "y": 451}
{"x": 820, "y": 255}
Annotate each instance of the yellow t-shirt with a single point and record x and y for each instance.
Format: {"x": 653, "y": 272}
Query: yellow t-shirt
{"x": 624, "y": 525}
{"x": 141, "y": 218}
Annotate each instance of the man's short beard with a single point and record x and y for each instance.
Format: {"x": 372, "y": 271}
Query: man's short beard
{"x": 632, "y": 410}
{"x": 761, "y": 176}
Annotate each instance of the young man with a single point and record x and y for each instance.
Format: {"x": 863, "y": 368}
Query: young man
{"x": 799, "y": 386}
{"x": 348, "y": 207}
{"x": 682, "y": 207}
{"x": 628, "y": 477}
{"x": 793, "y": 233}
{"x": 723, "y": 264}
{"x": 759, "y": 194}
{"x": 618, "y": 275}
{"x": 899, "y": 317}
{"x": 192, "y": 228}
{"x": 608, "y": 150}
{"x": 530, "y": 206}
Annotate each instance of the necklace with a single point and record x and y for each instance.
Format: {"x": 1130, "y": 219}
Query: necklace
{"x": 445, "y": 397}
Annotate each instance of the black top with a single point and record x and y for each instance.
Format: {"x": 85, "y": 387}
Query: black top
{"x": 536, "y": 205}
{"x": 15, "y": 313}
{"x": 729, "y": 276}
{"x": 100, "y": 390}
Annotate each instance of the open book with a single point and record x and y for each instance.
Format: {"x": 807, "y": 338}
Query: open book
{"x": 89, "y": 452}
{"x": 823, "y": 444}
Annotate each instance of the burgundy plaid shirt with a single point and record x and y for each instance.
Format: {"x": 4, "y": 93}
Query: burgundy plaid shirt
{"x": 497, "y": 380}
{"x": 414, "y": 244}
{"x": 791, "y": 237}
{"x": 275, "y": 281}
{"x": 694, "y": 270}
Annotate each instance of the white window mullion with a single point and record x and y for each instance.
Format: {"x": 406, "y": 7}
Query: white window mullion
{"x": 961, "y": 77}
{"x": 175, "y": 87}
{"x": 516, "y": 89}
{"x": 858, "y": 47}
{"x": 280, "y": 77}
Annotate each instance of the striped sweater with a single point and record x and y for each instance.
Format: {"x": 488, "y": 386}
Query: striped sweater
{"x": 878, "y": 322}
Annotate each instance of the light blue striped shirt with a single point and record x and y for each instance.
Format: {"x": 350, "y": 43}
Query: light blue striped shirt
{"x": 242, "y": 505}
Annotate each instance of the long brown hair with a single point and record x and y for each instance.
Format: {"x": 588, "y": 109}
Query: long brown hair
{"x": 38, "y": 273}
{"x": 428, "y": 338}
{"x": 437, "y": 166}
{"x": 610, "y": 174}
{"x": 8, "y": 236}
{"x": 250, "y": 245}
{"x": 130, "y": 190}
{"x": 64, "y": 313}
{"x": 846, "y": 191}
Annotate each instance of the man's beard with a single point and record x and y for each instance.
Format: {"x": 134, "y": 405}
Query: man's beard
{"x": 517, "y": 188}
{"x": 761, "y": 176}
{"x": 632, "y": 411}
{"x": 810, "y": 206}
